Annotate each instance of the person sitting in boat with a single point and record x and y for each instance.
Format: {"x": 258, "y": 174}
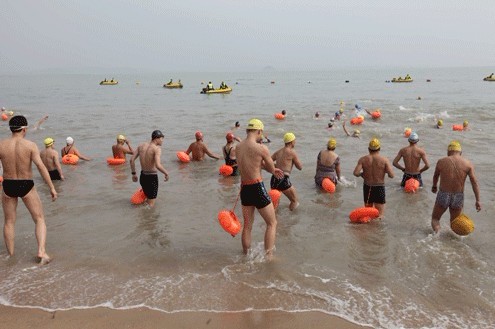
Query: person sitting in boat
{"x": 111, "y": 80}
{"x": 170, "y": 82}
{"x": 223, "y": 85}
{"x": 209, "y": 86}
{"x": 179, "y": 82}
{"x": 407, "y": 77}
{"x": 490, "y": 76}
{"x": 105, "y": 80}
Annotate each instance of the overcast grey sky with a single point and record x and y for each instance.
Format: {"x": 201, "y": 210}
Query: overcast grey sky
{"x": 232, "y": 35}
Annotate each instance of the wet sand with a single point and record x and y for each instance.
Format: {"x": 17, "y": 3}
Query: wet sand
{"x": 142, "y": 318}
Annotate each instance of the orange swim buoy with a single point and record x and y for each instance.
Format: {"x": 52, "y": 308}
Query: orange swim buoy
{"x": 229, "y": 222}
{"x": 226, "y": 170}
{"x": 183, "y": 157}
{"x": 279, "y": 116}
{"x": 115, "y": 161}
{"x": 328, "y": 185}
{"x": 275, "y": 196}
{"x": 363, "y": 214}
{"x": 411, "y": 185}
{"x": 357, "y": 120}
{"x": 138, "y": 197}
{"x": 5, "y": 117}
{"x": 457, "y": 127}
{"x": 70, "y": 159}
{"x": 376, "y": 115}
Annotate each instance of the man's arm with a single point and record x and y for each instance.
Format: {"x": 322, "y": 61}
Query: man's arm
{"x": 345, "y": 129}
{"x": 211, "y": 155}
{"x": 358, "y": 170}
{"x": 76, "y": 152}
{"x": 388, "y": 169}
{"x": 129, "y": 149}
{"x": 436, "y": 175}
{"x": 158, "y": 163}
{"x": 268, "y": 164}
{"x": 396, "y": 161}
{"x": 133, "y": 164}
{"x": 476, "y": 188}
{"x": 57, "y": 165}
{"x": 296, "y": 161}
{"x": 425, "y": 160}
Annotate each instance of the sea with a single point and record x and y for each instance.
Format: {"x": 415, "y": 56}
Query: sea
{"x": 390, "y": 273}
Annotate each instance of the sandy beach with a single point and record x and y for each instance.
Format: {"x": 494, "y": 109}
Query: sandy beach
{"x": 143, "y": 318}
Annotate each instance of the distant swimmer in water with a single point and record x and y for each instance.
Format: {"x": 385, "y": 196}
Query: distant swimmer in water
{"x": 236, "y": 125}
{"x": 149, "y": 154}
{"x": 40, "y": 122}
{"x": 317, "y": 115}
{"x": 452, "y": 171}
{"x": 71, "y": 149}
{"x": 121, "y": 148}
{"x": 439, "y": 124}
{"x": 356, "y": 133}
{"x": 373, "y": 168}
{"x": 252, "y": 157}
{"x": 284, "y": 159}
{"x": 199, "y": 149}
{"x": 412, "y": 156}
{"x": 17, "y": 155}
{"x": 51, "y": 160}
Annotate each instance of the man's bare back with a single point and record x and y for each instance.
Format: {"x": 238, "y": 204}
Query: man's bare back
{"x": 285, "y": 158}
{"x": 374, "y": 168}
{"x": 412, "y": 156}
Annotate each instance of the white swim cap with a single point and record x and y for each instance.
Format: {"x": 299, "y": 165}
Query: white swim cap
{"x": 70, "y": 140}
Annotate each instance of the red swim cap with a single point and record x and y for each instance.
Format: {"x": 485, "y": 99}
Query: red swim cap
{"x": 229, "y": 137}
{"x": 199, "y": 135}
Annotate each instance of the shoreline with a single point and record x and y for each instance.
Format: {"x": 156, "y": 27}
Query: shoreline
{"x": 144, "y": 318}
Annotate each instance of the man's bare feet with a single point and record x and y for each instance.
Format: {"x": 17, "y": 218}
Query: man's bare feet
{"x": 44, "y": 259}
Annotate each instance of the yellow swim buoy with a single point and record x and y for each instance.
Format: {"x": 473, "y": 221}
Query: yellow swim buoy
{"x": 462, "y": 225}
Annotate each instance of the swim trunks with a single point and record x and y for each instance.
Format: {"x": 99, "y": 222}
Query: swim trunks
{"x": 17, "y": 188}
{"x": 280, "y": 184}
{"x": 415, "y": 176}
{"x": 255, "y": 195}
{"x": 149, "y": 183}
{"x": 54, "y": 175}
{"x": 452, "y": 200}
{"x": 374, "y": 194}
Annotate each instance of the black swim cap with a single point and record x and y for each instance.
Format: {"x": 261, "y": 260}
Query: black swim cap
{"x": 156, "y": 134}
{"x": 17, "y": 123}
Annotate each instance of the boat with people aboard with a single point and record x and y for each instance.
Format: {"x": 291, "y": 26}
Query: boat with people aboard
{"x": 108, "y": 82}
{"x": 173, "y": 85}
{"x": 491, "y": 77}
{"x": 223, "y": 89}
{"x": 407, "y": 78}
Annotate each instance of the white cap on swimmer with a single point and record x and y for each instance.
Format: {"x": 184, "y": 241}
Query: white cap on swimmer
{"x": 70, "y": 140}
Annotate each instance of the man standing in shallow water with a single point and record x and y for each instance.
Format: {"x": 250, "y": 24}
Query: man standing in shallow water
{"x": 412, "y": 155}
{"x": 452, "y": 171}
{"x": 373, "y": 168}
{"x": 199, "y": 149}
{"x": 252, "y": 156}
{"x": 17, "y": 154}
{"x": 149, "y": 153}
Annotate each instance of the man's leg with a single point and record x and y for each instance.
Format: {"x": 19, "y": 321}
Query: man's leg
{"x": 268, "y": 214}
{"x": 435, "y": 217}
{"x": 290, "y": 193}
{"x": 33, "y": 203}
{"x": 248, "y": 215}
{"x": 9, "y": 212}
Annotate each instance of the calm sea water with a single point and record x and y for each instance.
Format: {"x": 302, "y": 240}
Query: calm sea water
{"x": 388, "y": 274}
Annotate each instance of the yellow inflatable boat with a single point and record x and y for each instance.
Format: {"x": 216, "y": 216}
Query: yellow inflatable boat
{"x": 402, "y": 80}
{"x": 489, "y": 78}
{"x": 217, "y": 91}
{"x": 173, "y": 85}
{"x": 108, "y": 82}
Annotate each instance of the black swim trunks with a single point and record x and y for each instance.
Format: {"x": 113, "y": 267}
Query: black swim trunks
{"x": 149, "y": 183}
{"x": 280, "y": 184}
{"x": 406, "y": 176}
{"x": 255, "y": 195}
{"x": 17, "y": 188}
{"x": 374, "y": 194}
{"x": 54, "y": 175}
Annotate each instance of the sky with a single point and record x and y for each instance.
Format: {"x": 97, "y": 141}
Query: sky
{"x": 248, "y": 35}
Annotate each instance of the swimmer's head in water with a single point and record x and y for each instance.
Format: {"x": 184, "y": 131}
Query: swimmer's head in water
{"x": 156, "y": 134}
{"x": 413, "y": 138}
{"x": 465, "y": 123}
{"x": 69, "y": 140}
{"x": 332, "y": 144}
{"x": 121, "y": 138}
{"x": 283, "y": 112}
{"x": 330, "y": 124}
{"x": 356, "y": 132}
{"x": 440, "y": 123}
{"x": 17, "y": 123}
{"x": 374, "y": 144}
{"x": 454, "y": 146}
{"x": 255, "y": 124}
{"x": 198, "y": 135}
{"x": 341, "y": 111}
{"x": 237, "y": 124}
{"x": 229, "y": 137}
{"x": 48, "y": 141}
{"x": 289, "y": 137}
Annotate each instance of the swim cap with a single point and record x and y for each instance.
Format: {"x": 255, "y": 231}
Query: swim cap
{"x": 229, "y": 137}
{"x": 121, "y": 138}
{"x": 454, "y": 146}
{"x": 440, "y": 122}
{"x": 69, "y": 140}
{"x": 3, "y": 108}
{"x": 156, "y": 134}
{"x": 48, "y": 141}
{"x": 289, "y": 137}
{"x": 283, "y": 112}
{"x": 332, "y": 143}
{"x": 17, "y": 123}
{"x": 341, "y": 111}
{"x": 462, "y": 225}
{"x": 374, "y": 144}
{"x": 198, "y": 135}
{"x": 465, "y": 123}
{"x": 237, "y": 124}
{"x": 356, "y": 132}
{"x": 255, "y": 124}
{"x": 413, "y": 138}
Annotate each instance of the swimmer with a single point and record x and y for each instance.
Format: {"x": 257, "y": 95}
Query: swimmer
{"x": 71, "y": 149}
{"x": 229, "y": 152}
{"x": 51, "y": 161}
{"x": 328, "y": 164}
{"x": 356, "y": 133}
{"x": 412, "y": 156}
{"x": 40, "y": 122}
{"x": 452, "y": 171}
{"x": 251, "y": 158}
{"x": 199, "y": 149}
{"x": 119, "y": 150}
{"x": 236, "y": 125}
{"x": 284, "y": 159}
{"x": 465, "y": 125}
{"x": 439, "y": 124}
{"x": 284, "y": 112}
{"x": 17, "y": 155}
{"x": 317, "y": 115}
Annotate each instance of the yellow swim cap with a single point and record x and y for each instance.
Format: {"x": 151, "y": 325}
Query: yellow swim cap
{"x": 462, "y": 225}
{"x": 121, "y": 138}
{"x": 440, "y": 123}
{"x": 454, "y": 146}
{"x": 289, "y": 137}
{"x": 332, "y": 143}
{"x": 255, "y": 124}
{"x": 465, "y": 123}
{"x": 48, "y": 141}
{"x": 356, "y": 132}
{"x": 374, "y": 144}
